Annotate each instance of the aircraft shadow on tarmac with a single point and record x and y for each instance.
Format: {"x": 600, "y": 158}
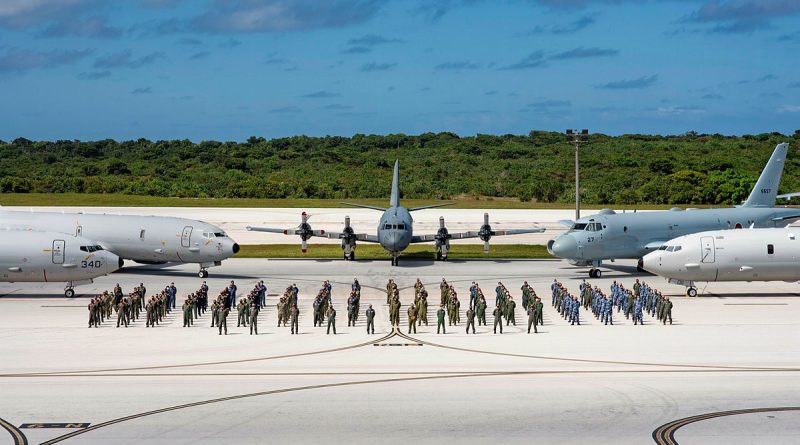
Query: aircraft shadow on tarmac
{"x": 163, "y": 271}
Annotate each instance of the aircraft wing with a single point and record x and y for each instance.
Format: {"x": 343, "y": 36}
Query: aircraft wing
{"x": 786, "y": 218}
{"x": 359, "y": 236}
{"x": 471, "y": 234}
{"x": 566, "y": 222}
{"x": 788, "y": 195}
{"x": 319, "y": 233}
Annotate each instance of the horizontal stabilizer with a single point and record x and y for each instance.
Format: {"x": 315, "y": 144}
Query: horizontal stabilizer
{"x": 364, "y": 206}
{"x": 432, "y": 206}
{"x": 788, "y": 195}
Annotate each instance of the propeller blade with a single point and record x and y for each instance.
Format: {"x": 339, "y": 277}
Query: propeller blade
{"x": 346, "y": 221}
{"x": 441, "y": 222}
{"x": 486, "y": 247}
{"x": 486, "y": 218}
{"x": 304, "y": 246}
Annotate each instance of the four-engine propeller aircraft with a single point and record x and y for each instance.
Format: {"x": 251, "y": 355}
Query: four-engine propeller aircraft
{"x": 47, "y": 257}
{"x": 395, "y": 230}
{"x": 609, "y": 235}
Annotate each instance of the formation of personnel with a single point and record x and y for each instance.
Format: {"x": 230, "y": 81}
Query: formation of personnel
{"x": 353, "y": 303}
{"x": 322, "y": 303}
{"x": 449, "y": 300}
{"x": 286, "y": 302}
{"x": 632, "y": 303}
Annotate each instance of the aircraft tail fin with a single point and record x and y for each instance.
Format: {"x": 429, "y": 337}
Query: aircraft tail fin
{"x": 766, "y": 188}
{"x": 394, "y": 201}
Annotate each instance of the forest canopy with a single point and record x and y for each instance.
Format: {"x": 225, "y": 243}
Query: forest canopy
{"x": 629, "y": 169}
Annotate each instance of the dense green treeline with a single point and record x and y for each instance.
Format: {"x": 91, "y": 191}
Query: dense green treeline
{"x": 628, "y": 169}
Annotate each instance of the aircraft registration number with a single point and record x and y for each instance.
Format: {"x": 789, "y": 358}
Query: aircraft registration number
{"x": 95, "y": 264}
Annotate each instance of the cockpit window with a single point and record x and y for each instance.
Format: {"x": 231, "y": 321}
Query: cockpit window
{"x": 401, "y": 226}
{"x": 662, "y": 248}
{"x": 91, "y": 248}
{"x": 578, "y": 226}
{"x": 220, "y": 234}
{"x": 677, "y": 248}
{"x": 387, "y": 226}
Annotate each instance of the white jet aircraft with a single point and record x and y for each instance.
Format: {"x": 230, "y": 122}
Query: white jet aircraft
{"x": 768, "y": 254}
{"x": 29, "y": 256}
{"x": 144, "y": 239}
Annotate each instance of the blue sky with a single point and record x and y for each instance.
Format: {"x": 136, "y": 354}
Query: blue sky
{"x": 226, "y": 70}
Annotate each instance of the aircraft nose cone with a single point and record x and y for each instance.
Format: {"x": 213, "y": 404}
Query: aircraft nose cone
{"x": 564, "y": 246}
{"x": 393, "y": 239}
{"x": 650, "y": 262}
{"x": 235, "y": 248}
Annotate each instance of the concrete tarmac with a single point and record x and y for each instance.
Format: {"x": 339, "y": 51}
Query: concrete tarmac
{"x": 727, "y": 371}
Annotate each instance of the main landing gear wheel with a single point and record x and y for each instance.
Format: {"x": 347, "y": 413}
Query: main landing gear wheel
{"x": 595, "y": 273}
{"x": 691, "y": 292}
{"x": 352, "y": 256}
{"x": 203, "y": 273}
{"x": 69, "y": 293}
{"x": 438, "y": 256}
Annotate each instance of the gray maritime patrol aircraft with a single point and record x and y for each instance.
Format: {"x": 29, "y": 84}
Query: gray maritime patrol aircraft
{"x": 144, "y": 239}
{"x": 395, "y": 230}
{"x": 47, "y": 257}
{"x": 609, "y": 235}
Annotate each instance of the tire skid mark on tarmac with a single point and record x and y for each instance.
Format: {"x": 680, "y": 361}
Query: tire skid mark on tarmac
{"x": 584, "y": 360}
{"x": 187, "y": 365}
{"x": 16, "y": 434}
{"x": 257, "y": 394}
{"x": 521, "y": 372}
{"x": 665, "y": 434}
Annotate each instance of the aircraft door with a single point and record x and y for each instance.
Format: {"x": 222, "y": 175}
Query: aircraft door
{"x": 58, "y": 251}
{"x": 186, "y": 236}
{"x": 707, "y": 249}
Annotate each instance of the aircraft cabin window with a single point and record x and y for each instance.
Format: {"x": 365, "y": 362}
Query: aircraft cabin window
{"x": 770, "y": 249}
{"x": 141, "y": 234}
{"x": 625, "y": 229}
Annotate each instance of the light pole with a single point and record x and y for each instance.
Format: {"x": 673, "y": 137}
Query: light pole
{"x": 577, "y": 138}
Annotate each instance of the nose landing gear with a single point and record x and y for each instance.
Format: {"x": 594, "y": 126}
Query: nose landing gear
{"x": 691, "y": 292}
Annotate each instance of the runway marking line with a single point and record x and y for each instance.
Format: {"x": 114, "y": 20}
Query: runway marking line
{"x": 16, "y": 434}
{"x": 665, "y": 434}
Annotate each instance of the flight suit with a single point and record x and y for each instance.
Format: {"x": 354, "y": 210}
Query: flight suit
{"x": 511, "y": 305}
{"x": 482, "y": 312}
{"x": 295, "y": 314}
{"x": 532, "y": 320}
{"x": 222, "y": 322}
{"x": 440, "y": 321}
{"x": 331, "y": 314}
{"x": 254, "y": 317}
{"x": 470, "y": 320}
{"x": 498, "y": 319}
{"x": 412, "y": 319}
{"x": 370, "y": 321}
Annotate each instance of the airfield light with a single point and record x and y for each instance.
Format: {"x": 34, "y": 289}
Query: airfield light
{"x": 577, "y": 138}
